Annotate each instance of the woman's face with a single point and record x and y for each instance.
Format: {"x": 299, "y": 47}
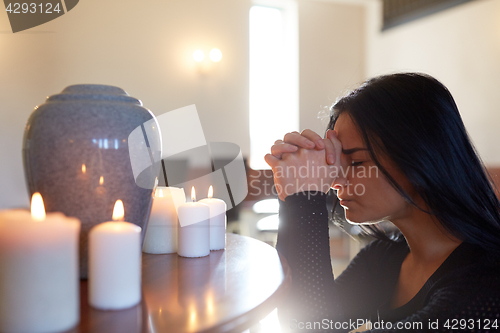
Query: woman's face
{"x": 364, "y": 192}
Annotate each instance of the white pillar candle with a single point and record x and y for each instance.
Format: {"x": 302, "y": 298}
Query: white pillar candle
{"x": 194, "y": 229}
{"x": 218, "y": 221}
{"x": 115, "y": 263}
{"x": 161, "y": 231}
{"x": 39, "y": 280}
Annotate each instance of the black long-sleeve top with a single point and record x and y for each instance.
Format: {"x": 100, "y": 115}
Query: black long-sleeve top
{"x": 463, "y": 295}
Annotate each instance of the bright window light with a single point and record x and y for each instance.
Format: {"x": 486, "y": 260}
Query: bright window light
{"x": 268, "y": 223}
{"x": 266, "y": 206}
{"x": 273, "y": 79}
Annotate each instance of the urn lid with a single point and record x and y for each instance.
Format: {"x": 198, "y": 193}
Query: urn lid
{"x": 93, "y": 92}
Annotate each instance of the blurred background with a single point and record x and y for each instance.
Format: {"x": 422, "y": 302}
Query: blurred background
{"x": 304, "y": 55}
{"x": 279, "y": 66}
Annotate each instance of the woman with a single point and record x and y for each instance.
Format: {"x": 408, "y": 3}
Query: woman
{"x": 396, "y": 149}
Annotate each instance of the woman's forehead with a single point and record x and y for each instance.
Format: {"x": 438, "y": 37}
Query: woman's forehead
{"x": 348, "y": 133}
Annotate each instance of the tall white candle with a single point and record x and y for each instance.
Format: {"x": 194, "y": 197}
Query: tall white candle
{"x": 115, "y": 263}
{"x": 218, "y": 221}
{"x": 161, "y": 231}
{"x": 39, "y": 280}
{"x": 194, "y": 229}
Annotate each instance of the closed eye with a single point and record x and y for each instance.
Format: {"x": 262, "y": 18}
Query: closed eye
{"x": 353, "y": 163}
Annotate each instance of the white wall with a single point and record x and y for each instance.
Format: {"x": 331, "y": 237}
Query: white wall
{"x": 145, "y": 47}
{"x": 461, "y": 48}
{"x": 331, "y": 57}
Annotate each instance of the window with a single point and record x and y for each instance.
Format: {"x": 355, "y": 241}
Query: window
{"x": 273, "y": 77}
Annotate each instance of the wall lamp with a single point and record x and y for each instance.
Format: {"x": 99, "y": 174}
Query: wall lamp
{"x": 215, "y": 55}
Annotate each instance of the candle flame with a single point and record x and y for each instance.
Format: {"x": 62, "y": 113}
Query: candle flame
{"x": 118, "y": 211}
{"x": 37, "y": 207}
{"x": 160, "y": 194}
{"x": 84, "y": 168}
{"x": 101, "y": 180}
{"x": 210, "y": 191}
{"x": 193, "y": 194}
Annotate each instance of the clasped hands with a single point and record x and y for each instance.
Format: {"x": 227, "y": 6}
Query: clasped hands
{"x": 304, "y": 162}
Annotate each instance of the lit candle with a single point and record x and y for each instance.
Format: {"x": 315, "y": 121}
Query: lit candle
{"x": 39, "y": 280}
{"x": 218, "y": 221}
{"x": 115, "y": 263}
{"x": 161, "y": 231}
{"x": 194, "y": 228}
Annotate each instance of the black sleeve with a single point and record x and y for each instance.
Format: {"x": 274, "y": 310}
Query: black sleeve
{"x": 303, "y": 239}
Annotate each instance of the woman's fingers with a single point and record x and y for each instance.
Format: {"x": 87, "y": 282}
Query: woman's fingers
{"x": 314, "y": 137}
{"x": 274, "y": 163}
{"x": 308, "y": 141}
{"x": 331, "y": 135}
{"x": 278, "y": 149}
{"x": 294, "y": 140}
{"x": 271, "y": 160}
{"x": 329, "y": 151}
{"x": 306, "y": 161}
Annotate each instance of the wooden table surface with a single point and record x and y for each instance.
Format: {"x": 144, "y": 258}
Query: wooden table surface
{"x": 227, "y": 291}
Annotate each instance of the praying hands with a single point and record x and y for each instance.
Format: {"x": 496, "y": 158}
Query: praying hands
{"x": 305, "y": 162}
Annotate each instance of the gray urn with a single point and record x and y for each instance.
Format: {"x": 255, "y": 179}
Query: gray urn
{"x": 88, "y": 147}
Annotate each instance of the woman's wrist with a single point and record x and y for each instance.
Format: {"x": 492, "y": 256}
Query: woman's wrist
{"x": 293, "y": 189}
{"x": 317, "y": 197}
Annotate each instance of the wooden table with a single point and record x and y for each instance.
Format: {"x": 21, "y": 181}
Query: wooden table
{"x": 227, "y": 291}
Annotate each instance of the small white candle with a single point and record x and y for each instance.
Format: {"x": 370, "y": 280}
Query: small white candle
{"x": 161, "y": 231}
{"x": 39, "y": 280}
{"x": 218, "y": 221}
{"x": 194, "y": 229}
{"x": 115, "y": 263}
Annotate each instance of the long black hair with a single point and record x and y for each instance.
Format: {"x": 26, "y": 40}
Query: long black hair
{"x": 413, "y": 119}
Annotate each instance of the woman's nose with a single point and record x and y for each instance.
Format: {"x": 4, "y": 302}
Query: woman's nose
{"x": 339, "y": 182}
